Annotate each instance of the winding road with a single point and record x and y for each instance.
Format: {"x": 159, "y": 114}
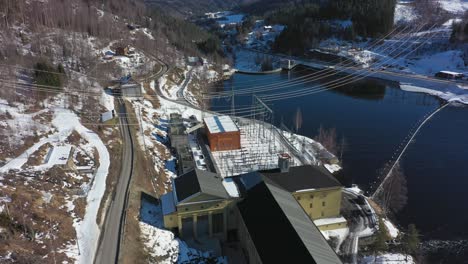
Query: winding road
{"x": 108, "y": 251}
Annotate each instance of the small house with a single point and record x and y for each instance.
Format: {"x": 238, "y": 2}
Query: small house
{"x": 195, "y": 61}
{"x": 108, "y": 55}
{"x": 223, "y": 134}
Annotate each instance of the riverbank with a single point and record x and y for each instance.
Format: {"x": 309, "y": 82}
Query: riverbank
{"x": 375, "y": 117}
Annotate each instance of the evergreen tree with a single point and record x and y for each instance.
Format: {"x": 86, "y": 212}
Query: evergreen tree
{"x": 46, "y": 74}
{"x": 411, "y": 240}
{"x": 381, "y": 238}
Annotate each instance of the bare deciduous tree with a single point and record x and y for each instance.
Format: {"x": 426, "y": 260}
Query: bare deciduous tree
{"x": 394, "y": 193}
{"x": 328, "y": 138}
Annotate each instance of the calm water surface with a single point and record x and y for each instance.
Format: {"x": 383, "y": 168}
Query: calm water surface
{"x": 374, "y": 117}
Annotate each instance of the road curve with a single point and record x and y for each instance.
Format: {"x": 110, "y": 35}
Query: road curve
{"x": 111, "y": 234}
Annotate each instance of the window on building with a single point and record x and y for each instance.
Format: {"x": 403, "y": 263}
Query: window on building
{"x": 323, "y": 204}
{"x": 323, "y": 214}
{"x": 311, "y": 205}
{"x": 311, "y": 196}
{"x": 298, "y": 197}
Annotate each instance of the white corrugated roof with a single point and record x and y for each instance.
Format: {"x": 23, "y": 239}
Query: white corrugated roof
{"x": 220, "y": 124}
{"x": 452, "y": 73}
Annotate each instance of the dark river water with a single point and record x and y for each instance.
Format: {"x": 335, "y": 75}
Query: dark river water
{"x": 374, "y": 117}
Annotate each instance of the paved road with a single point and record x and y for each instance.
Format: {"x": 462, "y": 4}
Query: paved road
{"x": 386, "y": 74}
{"x": 180, "y": 92}
{"x": 108, "y": 251}
{"x": 111, "y": 234}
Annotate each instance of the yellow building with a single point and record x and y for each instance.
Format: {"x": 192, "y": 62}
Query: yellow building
{"x": 198, "y": 206}
{"x": 316, "y": 190}
{"x": 259, "y": 211}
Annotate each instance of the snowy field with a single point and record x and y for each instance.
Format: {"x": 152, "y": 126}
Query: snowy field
{"x": 65, "y": 122}
{"x": 454, "y": 6}
{"x": 404, "y": 12}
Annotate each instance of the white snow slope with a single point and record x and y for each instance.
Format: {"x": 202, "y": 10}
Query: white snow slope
{"x": 65, "y": 121}
{"x": 454, "y": 6}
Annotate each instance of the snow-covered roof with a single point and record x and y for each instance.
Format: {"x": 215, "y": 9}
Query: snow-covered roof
{"x": 60, "y": 155}
{"x": 329, "y": 221}
{"x": 332, "y": 168}
{"x": 451, "y": 72}
{"x": 231, "y": 187}
{"x": 220, "y": 124}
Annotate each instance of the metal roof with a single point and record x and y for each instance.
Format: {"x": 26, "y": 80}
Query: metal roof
{"x": 168, "y": 203}
{"x": 297, "y": 238}
{"x": 212, "y": 184}
{"x": 220, "y": 124}
{"x": 305, "y": 228}
{"x": 199, "y": 181}
{"x": 302, "y": 178}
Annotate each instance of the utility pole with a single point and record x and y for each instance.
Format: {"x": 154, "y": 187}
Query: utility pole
{"x": 233, "y": 105}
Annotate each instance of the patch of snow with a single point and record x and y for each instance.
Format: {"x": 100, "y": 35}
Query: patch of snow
{"x": 455, "y": 95}
{"x": 59, "y": 155}
{"x": 404, "y": 13}
{"x": 340, "y": 234}
{"x": 354, "y": 189}
{"x": 231, "y": 187}
{"x": 87, "y": 230}
{"x": 454, "y": 6}
{"x": 388, "y": 259}
{"x": 46, "y": 196}
{"x": 444, "y": 61}
{"x": 162, "y": 244}
{"x": 107, "y": 101}
{"x": 329, "y": 221}
{"x": 159, "y": 243}
{"x": 392, "y": 230}
{"x": 332, "y": 168}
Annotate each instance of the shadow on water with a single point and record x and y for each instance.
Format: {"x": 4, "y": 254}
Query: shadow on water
{"x": 375, "y": 117}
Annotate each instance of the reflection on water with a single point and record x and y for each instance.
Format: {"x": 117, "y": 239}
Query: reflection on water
{"x": 375, "y": 117}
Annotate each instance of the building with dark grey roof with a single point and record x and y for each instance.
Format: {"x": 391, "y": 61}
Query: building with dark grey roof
{"x": 273, "y": 228}
{"x": 303, "y": 178}
{"x": 198, "y": 205}
{"x": 265, "y": 215}
{"x": 316, "y": 190}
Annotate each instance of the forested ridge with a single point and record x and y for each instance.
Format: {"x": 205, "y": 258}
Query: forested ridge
{"x": 310, "y": 21}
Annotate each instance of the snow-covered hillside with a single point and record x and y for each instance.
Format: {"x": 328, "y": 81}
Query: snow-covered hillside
{"x": 454, "y": 6}
{"x": 405, "y": 12}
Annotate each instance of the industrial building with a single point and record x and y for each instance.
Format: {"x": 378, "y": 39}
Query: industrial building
{"x": 248, "y": 209}
{"x": 316, "y": 190}
{"x": 223, "y": 134}
{"x": 180, "y": 143}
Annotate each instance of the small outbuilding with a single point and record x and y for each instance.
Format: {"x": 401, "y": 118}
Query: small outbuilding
{"x": 449, "y": 75}
{"x": 223, "y": 134}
